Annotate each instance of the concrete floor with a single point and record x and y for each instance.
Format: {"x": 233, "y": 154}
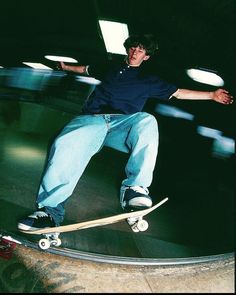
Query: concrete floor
{"x": 196, "y": 221}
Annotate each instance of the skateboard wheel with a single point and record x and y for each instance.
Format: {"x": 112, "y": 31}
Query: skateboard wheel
{"x": 142, "y": 225}
{"x": 135, "y": 228}
{"x": 44, "y": 244}
{"x": 56, "y": 242}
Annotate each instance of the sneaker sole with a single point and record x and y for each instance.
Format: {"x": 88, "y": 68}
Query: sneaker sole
{"x": 140, "y": 202}
{"x": 25, "y": 227}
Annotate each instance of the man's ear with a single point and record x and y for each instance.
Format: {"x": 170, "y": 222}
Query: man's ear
{"x": 146, "y": 57}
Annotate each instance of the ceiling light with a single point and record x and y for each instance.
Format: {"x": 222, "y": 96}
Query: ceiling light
{"x": 208, "y": 132}
{"x": 88, "y": 80}
{"x": 172, "y": 111}
{"x": 36, "y": 65}
{"x": 205, "y": 76}
{"x": 223, "y": 147}
{"x": 114, "y": 34}
{"x": 61, "y": 58}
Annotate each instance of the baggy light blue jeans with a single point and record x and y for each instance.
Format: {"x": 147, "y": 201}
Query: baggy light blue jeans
{"x": 82, "y": 138}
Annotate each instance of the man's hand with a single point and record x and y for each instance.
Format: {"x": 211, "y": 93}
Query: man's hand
{"x": 62, "y": 65}
{"x": 58, "y": 66}
{"x": 222, "y": 96}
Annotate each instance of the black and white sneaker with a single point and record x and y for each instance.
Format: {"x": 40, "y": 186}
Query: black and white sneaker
{"x": 37, "y": 220}
{"x": 135, "y": 197}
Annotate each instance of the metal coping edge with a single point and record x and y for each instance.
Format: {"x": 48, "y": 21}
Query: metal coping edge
{"x": 102, "y": 258}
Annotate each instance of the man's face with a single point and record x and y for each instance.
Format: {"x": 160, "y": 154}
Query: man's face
{"x": 136, "y": 55}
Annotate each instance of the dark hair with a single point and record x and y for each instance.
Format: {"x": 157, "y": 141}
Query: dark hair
{"x": 146, "y": 41}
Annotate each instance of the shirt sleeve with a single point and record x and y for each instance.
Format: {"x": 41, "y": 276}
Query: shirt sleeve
{"x": 161, "y": 89}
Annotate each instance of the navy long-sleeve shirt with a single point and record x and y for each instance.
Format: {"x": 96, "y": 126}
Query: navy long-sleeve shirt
{"x": 124, "y": 89}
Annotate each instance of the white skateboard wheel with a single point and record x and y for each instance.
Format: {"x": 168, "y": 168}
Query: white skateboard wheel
{"x": 56, "y": 242}
{"x": 44, "y": 244}
{"x": 142, "y": 225}
{"x": 135, "y": 228}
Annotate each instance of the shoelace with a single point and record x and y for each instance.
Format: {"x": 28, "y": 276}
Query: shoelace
{"x": 38, "y": 214}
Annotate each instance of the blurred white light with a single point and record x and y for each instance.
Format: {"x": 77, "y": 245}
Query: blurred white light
{"x": 24, "y": 153}
{"x": 36, "y": 65}
{"x": 28, "y": 78}
{"x": 114, "y": 35}
{"x": 88, "y": 80}
{"x": 206, "y": 77}
{"x": 208, "y": 132}
{"x": 223, "y": 147}
{"x": 61, "y": 58}
{"x": 171, "y": 111}
{"x": 1, "y": 67}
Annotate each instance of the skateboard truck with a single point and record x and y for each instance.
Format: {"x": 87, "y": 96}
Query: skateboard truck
{"x": 137, "y": 224}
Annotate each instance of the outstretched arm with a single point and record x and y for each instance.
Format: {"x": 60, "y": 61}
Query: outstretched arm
{"x": 219, "y": 95}
{"x": 76, "y": 69}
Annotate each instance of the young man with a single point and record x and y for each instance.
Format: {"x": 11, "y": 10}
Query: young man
{"x": 112, "y": 116}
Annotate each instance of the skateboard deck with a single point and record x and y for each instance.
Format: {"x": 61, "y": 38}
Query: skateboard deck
{"x": 134, "y": 219}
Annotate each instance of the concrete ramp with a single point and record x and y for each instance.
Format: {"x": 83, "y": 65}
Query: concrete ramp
{"x": 33, "y": 271}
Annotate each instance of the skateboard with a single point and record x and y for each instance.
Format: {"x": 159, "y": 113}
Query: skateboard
{"x": 134, "y": 219}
